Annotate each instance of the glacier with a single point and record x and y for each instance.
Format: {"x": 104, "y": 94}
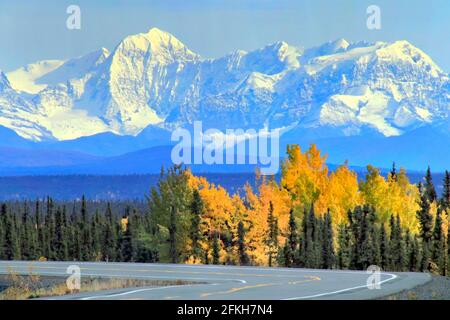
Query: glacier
{"x": 153, "y": 79}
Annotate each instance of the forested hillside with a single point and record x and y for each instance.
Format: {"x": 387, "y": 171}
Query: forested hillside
{"x": 310, "y": 217}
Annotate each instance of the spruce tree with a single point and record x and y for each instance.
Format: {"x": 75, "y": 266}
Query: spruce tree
{"x": 59, "y": 243}
{"x": 292, "y": 238}
{"x": 243, "y": 257}
{"x": 272, "y": 236}
{"x": 39, "y": 230}
{"x": 375, "y": 236}
{"x": 310, "y": 230}
{"x": 397, "y": 245}
{"x": 402, "y": 258}
{"x": 425, "y": 218}
{"x": 343, "y": 256}
{"x": 445, "y": 200}
{"x": 126, "y": 245}
{"x": 426, "y": 256}
{"x": 195, "y": 233}
{"x": 173, "y": 252}
{"x": 384, "y": 248}
{"x": 49, "y": 223}
{"x": 365, "y": 240}
{"x": 216, "y": 249}
{"x": 10, "y": 248}
{"x": 430, "y": 191}
{"x": 437, "y": 249}
{"x": 75, "y": 248}
{"x": 109, "y": 236}
{"x": 327, "y": 243}
{"x": 26, "y": 241}
{"x": 416, "y": 256}
{"x": 393, "y": 173}
{"x": 97, "y": 238}
{"x": 86, "y": 241}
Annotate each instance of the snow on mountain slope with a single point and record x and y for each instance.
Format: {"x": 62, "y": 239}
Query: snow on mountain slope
{"x": 336, "y": 89}
{"x": 24, "y": 79}
{"x": 76, "y": 68}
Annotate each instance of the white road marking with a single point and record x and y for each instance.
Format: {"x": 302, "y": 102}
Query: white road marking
{"x": 131, "y": 292}
{"x": 179, "y": 268}
{"x": 393, "y": 276}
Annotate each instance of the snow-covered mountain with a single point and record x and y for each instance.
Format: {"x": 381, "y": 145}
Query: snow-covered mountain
{"x": 153, "y": 79}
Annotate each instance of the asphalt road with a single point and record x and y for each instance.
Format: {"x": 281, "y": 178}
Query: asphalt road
{"x": 227, "y": 282}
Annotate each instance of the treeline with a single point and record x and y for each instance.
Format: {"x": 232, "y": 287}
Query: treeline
{"x": 312, "y": 218}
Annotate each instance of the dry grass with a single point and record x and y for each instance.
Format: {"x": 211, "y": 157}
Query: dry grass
{"x": 437, "y": 289}
{"x": 22, "y": 287}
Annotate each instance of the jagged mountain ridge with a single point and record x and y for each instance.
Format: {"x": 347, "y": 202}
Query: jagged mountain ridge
{"x": 153, "y": 79}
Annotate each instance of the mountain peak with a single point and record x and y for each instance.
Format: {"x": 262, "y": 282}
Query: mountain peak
{"x": 340, "y": 44}
{"x": 157, "y": 33}
{"x": 335, "y": 46}
{"x": 403, "y": 50}
{"x": 153, "y": 78}
{"x": 163, "y": 46}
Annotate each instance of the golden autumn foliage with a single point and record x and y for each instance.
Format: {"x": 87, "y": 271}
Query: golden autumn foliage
{"x": 392, "y": 196}
{"x": 257, "y": 213}
{"x": 305, "y": 180}
{"x": 342, "y": 193}
{"x": 305, "y": 177}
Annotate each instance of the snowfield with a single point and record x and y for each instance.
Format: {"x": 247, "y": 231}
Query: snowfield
{"x": 153, "y": 79}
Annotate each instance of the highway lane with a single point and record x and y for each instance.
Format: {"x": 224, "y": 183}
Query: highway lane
{"x": 226, "y": 282}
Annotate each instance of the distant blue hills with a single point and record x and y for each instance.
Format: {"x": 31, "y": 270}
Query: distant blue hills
{"x": 108, "y": 153}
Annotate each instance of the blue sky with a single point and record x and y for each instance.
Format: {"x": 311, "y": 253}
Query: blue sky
{"x": 32, "y": 30}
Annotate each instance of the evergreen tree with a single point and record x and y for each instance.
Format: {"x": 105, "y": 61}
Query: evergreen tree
{"x": 292, "y": 238}
{"x": 126, "y": 245}
{"x": 75, "y": 247}
{"x": 402, "y": 250}
{"x": 393, "y": 173}
{"x": 426, "y": 256}
{"x": 366, "y": 240}
{"x": 195, "y": 233}
{"x": 445, "y": 200}
{"x": 425, "y": 218}
{"x": 39, "y": 230}
{"x": 286, "y": 255}
{"x": 173, "y": 252}
{"x": 430, "y": 191}
{"x": 109, "y": 236}
{"x": 445, "y": 258}
{"x": 26, "y": 240}
{"x": 437, "y": 250}
{"x": 310, "y": 236}
{"x": 243, "y": 257}
{"x": 86, "y": 250}
{"x": 59, "y": 242}
{"x": 416, "y": 256}
{"x": 97, "y": 237}
{"x": 439, "y": 254}
{"x": 343, "y": 256}
{"x": 216, "y": 249}
{"x": 358, "y": 231}
{"x": 49, "y": 222}
{"x": 327, "y": 243}
{"x": 272, "y": 236}
{"x": 397, "y": 245}
{"x": 448, "y": 247}
{"x": 10, "y": 248}
{"x": 374, "y": 232}
{"x": 384, "y": 248}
